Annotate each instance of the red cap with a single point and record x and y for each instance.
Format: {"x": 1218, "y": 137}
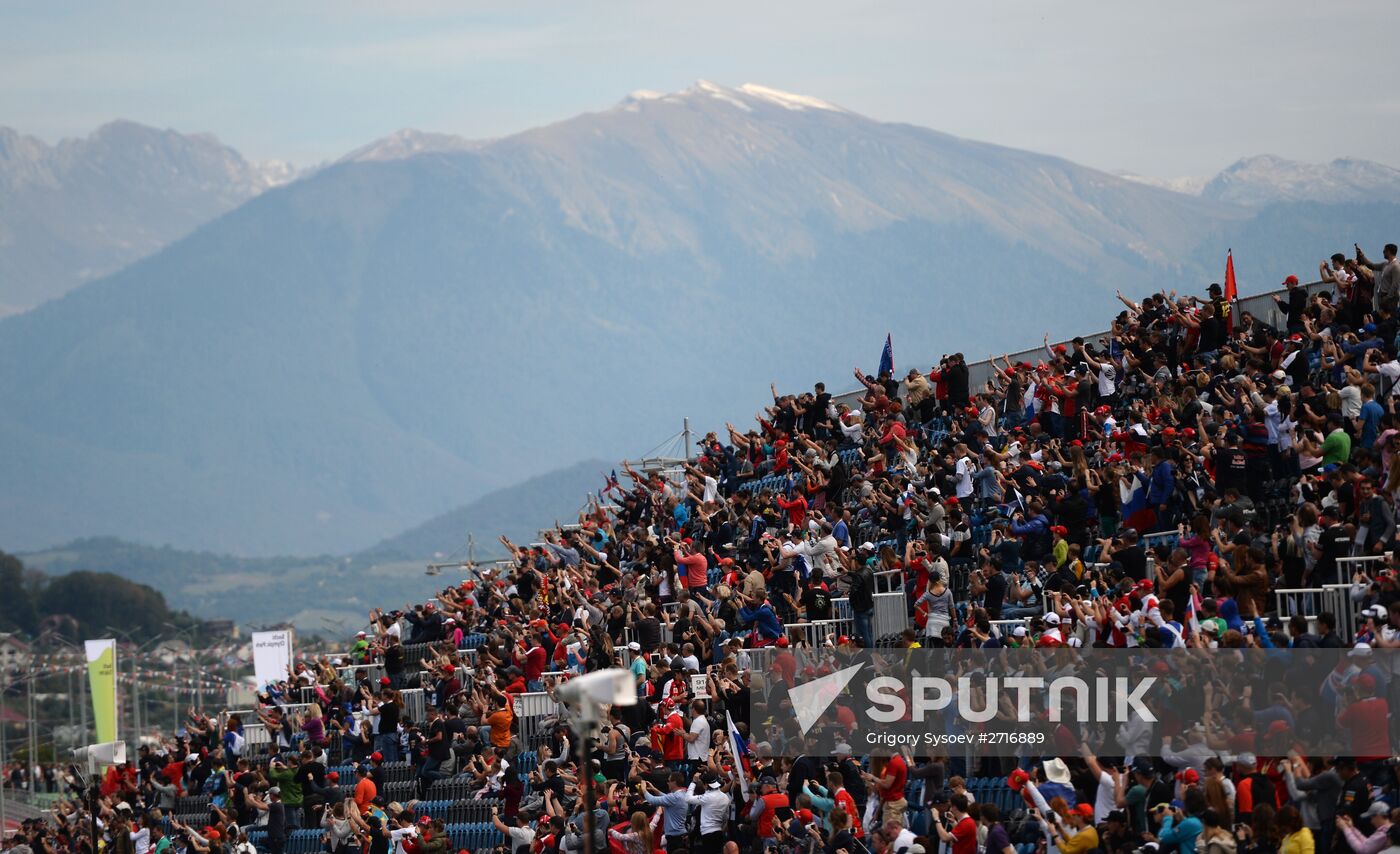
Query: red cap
{"x": 1145, "y": 584}
{"x": 425, "y": 820}
{"x": 1018, "y": 779}
{"x": 1061, "y": 349}
{"x": 805, "y": 816}
{"x": 384, "y": 680}
{"x": 1059, "y": 529}
{"x": 332, "y": 775}
{"x": 376, "y": 756}
{"x": 1190, "y": 777}
{"x": 842, "y": 640}
{"x": 448, "y": 669}
{"x": 1291, "y": 280}
{"x": 1086, "y": 810}
{"x": 783, "y": 641}
{"x": 952, "y": 499}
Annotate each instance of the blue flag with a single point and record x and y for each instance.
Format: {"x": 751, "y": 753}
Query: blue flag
{"x": 739, "y": 749}
{"x": 886, "y": 358}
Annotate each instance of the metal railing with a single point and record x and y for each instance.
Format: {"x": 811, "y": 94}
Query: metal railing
{"x": 817, "y": 632}
{"x": 532, "y": 710}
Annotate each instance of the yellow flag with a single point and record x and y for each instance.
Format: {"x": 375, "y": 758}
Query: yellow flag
{"x": 102, "y": 678}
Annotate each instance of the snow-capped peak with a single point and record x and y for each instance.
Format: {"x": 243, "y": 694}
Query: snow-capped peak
{"x": 788, "y": 99}
{"x": 745, "y": 97}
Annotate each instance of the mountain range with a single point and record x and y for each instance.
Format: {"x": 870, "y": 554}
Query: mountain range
{"x": 78, "y": 210}
{"x": 430, "y": 318}
{"x": 1266, "y": 179}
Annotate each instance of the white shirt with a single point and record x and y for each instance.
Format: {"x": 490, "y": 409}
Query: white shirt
{"x": 700, "y": 747}
{"x": 141, "y": 839}
{"x": 398, "y": 835}
{"x": 711, "y": 489}
{"x": 1106, "y": 377}
{"x": 1103, "y": 797}
{"x": 1351, "y": 400}
{"x": 1391, "y": 371}
{"x": 714, "y": 809}
{"x": 853, "y": 429}
{"x": 965, "y": 469}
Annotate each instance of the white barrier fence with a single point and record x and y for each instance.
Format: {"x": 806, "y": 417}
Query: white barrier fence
{"x": 532, "y": 712}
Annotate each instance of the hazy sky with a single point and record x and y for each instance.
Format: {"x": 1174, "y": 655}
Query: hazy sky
{"x": 1166, "y": 89}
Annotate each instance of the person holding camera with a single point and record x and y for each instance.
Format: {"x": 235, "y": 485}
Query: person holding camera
{"x": 955, "y": 826}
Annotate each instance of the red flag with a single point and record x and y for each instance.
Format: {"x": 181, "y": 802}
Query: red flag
{"x": 1230, "y": 293}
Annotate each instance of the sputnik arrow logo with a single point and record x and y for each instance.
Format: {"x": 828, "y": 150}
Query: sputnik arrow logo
{"x": 810, "y": 700}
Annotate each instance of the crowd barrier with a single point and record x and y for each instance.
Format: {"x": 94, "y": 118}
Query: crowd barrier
{"x": 818, "y": 632}
{"x": 532, "y": 711}
{"x": 1341, "y": 599}
{"x": 415, "y": 704}
{"x": 891, "y": 614}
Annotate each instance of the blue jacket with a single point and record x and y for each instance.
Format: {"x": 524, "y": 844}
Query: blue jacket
{"x": 763, "y": 619}
{"x": 1162, "y": 485}
{"x": 1183, "y": 835}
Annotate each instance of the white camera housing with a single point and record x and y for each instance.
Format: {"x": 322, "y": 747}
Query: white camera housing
{"x": 613, "y": 687}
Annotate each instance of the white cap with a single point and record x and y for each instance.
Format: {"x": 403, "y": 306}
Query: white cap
{"x": 1018, "y": 632}
{"x": 634, "y": 646}
{"x": 867, "y": 546}
{"x": 1074, "y": 642}
{"x": 1052, "y": 618}
{"x": 1361, "y": 650}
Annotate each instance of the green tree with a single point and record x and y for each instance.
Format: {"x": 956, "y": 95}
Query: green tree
{"x": 17, "y": 611}
{"x": 100, "y": 599}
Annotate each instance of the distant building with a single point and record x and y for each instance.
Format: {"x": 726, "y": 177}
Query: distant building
{"x": 219, "y": 629}
{"x": 15, "y": 654}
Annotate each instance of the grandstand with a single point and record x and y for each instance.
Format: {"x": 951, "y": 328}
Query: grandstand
{"x": 1235, "y": 460}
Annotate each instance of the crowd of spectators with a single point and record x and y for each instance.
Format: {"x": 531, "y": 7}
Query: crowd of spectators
{"x": 1151, "y": 489}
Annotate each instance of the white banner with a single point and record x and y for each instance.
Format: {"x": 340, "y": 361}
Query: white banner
{"x": 272, "y": 656}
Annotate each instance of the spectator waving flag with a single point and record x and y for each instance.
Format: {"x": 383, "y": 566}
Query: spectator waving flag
{"x": 1191, "y": 619}
{"x": 887, "y": 357}
{"x": 610, "y": 482}
{"x": 740, "y": 748}
{"x": 1231, "y": 292}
